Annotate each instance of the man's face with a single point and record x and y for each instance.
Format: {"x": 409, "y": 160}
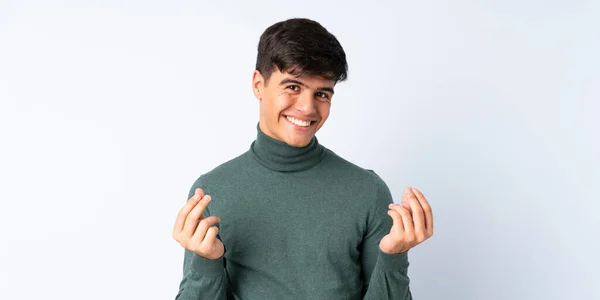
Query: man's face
{"x": 292, "y": 109}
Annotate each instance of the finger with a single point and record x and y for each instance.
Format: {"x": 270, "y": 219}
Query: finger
{"x": 417, "y": 214}
{"x": 398, "y": 225}
{"x": 405, "y": 200}
{"x": 407, "y": 221}
{"x": 203, "y": 227}
{"x": 195, "y": 216}
{"x": 183, "y": 213}
{"x": 199, "y": 193}
{"x": 211, "y": 236}
{"x": 427, "y": 212}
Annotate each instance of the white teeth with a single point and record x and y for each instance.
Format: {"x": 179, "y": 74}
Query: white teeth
{"x": 299, "y": 122}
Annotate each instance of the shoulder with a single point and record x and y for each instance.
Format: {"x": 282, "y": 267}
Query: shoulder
{"x": 348, "y": 170}
{"x": 225, "y": 172}
{"x": 362, "y": 184}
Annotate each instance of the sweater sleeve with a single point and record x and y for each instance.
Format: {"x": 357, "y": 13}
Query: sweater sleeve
{"x": 385, "y": 275}
{"x": 202, "y": 278}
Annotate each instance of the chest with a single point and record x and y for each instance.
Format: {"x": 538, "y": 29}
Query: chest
{"x": 290, "y": 217}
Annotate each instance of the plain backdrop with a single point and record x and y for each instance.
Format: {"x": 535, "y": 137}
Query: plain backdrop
{"x": 109, "y": 110}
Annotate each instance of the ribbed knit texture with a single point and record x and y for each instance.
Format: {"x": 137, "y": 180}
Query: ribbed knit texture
{"x": 297, "y": 223}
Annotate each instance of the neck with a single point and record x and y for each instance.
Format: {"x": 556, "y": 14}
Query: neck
{"x": 279, "y": 156}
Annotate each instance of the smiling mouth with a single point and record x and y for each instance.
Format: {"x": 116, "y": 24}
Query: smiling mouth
{"x": 300, "y": 123}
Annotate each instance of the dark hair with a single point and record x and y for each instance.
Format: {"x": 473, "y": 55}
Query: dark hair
{"x": 301, "y": 47}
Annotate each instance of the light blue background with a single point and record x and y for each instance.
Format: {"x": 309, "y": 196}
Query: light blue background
{"x": 109, "y": 110}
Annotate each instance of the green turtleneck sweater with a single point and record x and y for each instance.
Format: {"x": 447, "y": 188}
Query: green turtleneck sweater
{"x": 297, "y": 223}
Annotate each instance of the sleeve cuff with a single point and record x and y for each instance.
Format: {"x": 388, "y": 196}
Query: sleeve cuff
{"x": 208, "y": 267}
{"x": 392, "y": 262}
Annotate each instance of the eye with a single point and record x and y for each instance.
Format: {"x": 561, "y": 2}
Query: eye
{"x": 294, "y": 88}
{"x": 322, "y": 96}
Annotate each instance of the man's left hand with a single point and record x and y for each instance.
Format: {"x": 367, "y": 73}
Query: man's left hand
{"x": 413, "y": 223}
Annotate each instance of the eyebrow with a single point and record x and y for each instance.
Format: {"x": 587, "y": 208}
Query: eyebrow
{"x": 288, "y": 80}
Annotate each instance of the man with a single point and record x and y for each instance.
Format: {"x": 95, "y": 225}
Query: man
{"x": 295, "y": 220}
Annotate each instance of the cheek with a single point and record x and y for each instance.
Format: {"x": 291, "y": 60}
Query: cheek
{"x": 324, "y": 110}
{"x": 282, "y": 102}
{"x": 274, "y": 104}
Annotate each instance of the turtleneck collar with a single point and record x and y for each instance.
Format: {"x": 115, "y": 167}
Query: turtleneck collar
{"x": 281, "y": 157}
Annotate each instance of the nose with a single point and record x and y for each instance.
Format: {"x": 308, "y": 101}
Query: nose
{"x": 305, "y": 103}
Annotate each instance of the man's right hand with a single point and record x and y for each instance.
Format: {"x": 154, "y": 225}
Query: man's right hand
{"x": 195, "y": 232}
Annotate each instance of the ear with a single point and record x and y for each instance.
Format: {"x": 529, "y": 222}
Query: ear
{"x": 258, "y": 83}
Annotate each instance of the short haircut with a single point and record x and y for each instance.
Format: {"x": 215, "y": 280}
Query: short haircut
{"x": 301, "y": 47}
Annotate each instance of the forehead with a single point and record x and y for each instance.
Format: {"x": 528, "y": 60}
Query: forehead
{"x": 308, "y": 80}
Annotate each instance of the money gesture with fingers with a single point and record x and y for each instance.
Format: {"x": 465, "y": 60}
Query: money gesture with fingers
{"x": 412, "y": 223}
{"x": 194, "y": 231}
